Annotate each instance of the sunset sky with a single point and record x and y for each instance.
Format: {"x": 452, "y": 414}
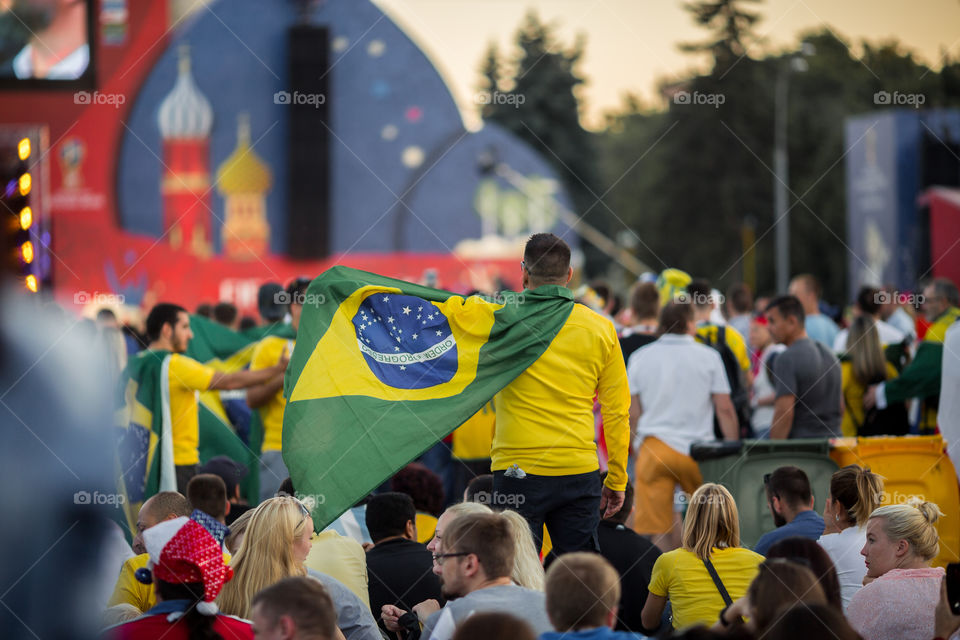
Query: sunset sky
{"x": 631, "y": 44}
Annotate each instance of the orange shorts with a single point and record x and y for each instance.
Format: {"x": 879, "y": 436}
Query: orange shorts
{"x": 660, "y": 468}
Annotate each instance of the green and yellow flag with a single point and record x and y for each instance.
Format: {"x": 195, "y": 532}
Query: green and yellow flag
{"x": 145, "y": 442}
{"x": 383, "y": 369}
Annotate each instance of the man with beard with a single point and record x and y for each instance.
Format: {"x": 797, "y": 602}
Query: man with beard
{"x": 476, "y": 562}
{"x": 791, "y": 504}
{"x": 168, "y": 330}
{"x": 46, "y": 38}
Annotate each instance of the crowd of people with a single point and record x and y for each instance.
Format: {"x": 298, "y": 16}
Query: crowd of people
{"x": 552, "y": 512}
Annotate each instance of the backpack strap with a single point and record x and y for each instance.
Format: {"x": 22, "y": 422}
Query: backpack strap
{"x": 717, "y": 581}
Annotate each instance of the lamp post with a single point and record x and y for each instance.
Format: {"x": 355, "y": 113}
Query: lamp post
{"x": 781, "y": 169}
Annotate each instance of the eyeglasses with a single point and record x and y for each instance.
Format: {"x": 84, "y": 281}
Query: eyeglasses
{"x": 440, "y": 557}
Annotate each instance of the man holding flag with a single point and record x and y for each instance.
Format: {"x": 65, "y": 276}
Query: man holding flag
{"x": 159, "y": 449}
{"x": 544, "y": 456}
{"x": 384, "y": 369}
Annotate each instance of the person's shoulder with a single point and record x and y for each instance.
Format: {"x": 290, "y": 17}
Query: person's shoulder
{"x": 236, "y": 627}
{"x": 136, "y": 562}
{"x": 584, "y": 316}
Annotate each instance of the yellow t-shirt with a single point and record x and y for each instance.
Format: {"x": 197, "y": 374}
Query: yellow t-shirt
{"x": 472, "y": 440}
{"x": 265, "y": 355}
{"x": 545, "y": 421}
{"x": 343, "y": 558}
{"x": 682, "y": 577}
{"x": 129, "y": 590}
{"x": 733, "y": 339}
{"x": 853, "y": 398}
{"x": 187, "y": 377}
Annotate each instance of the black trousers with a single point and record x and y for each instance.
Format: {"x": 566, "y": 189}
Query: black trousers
{"x": 568, "y": 505}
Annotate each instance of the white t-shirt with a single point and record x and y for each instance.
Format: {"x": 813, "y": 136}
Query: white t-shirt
{"x": 948, "y": 415}
{"x": 762, "y": 387}
{"x": 844, "y": 549}
{"x": 675, "y": 378}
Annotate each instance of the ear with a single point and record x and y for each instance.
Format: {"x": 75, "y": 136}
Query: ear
{"x": 813, "y": 500}
{"x": 472, "y": 566}
{"x": 777, "y": 506}
{"x": 903, "y": 548}
{"x": 569, "y": 274}
{"x": 288, "y": 628}
{"x": 227, "y": 512}
{"x": 612, "y": 617}
{"x": 410, "y": 533}
{"x": 236, "y": 492}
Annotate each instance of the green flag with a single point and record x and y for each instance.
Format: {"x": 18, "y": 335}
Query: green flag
{"x": 383, "y": 369}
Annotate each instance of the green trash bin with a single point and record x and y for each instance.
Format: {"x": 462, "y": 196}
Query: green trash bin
{"x": 740, "y": 467}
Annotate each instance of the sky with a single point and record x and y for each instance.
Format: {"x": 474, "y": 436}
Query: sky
{"x": 631, "y": 45}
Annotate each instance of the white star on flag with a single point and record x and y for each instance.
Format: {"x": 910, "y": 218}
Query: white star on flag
{"x": 390, "y": 319}
{"x": 415, "y": 336}
{"x": 439, "y": 333}
{"x": 402, "y": 368}
{"x": 406, "y": 311}
{"x": 396, "y": 348}
{"x": 386, "y": 298}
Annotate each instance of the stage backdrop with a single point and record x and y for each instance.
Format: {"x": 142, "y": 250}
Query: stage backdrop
{"x": 169, "y": 180}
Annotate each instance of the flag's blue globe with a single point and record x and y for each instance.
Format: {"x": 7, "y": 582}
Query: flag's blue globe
{"x": 406, "y": 341}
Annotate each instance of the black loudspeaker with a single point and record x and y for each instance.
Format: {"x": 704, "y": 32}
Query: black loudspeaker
{"x": 308, "y": 167}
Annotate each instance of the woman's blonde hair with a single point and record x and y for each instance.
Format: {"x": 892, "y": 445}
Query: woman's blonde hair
{"x": 866, "y": 353}
{"x": 237, "y": 530}
{"x": 266, "y": 554}
{"x": 914, "y": 521}
{"x": 527, "y": 568}
{"x": 712, "y": 521}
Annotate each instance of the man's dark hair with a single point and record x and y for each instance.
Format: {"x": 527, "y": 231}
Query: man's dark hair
{"x": 297, "y": 289}
{"x": 701, "y": 294}
{"x": 305, "y": 600}
{"x": 868, "y": 300}
{"x": 788, "y": 306}
{"x": 675, "y": 317}
{"x": 791, "y": 485}
{"x": 208, "y": 493}
{"x": 247, "y": 322}
{"x": 388, "y": 514}
{"x": 106, "y": 314}
{"x": 740, "y": 297}
{"x": 481, "y": 486}
{"x": 225, "y": 313}
{"x": 546, "y": 257}
{"x": 644, "y": 300}
{"x": 620, "y": 517}
{"x": 421, "y": 484}
{"x": 204, "y": 309}
{"x": 161, "y": 314}
{"x": 488, "y": 536}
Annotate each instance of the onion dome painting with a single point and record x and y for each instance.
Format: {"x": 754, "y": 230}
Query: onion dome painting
{"x": 404, "y": 173}
{"x": 243, "y": 180}
{"x": 184, "y": 119}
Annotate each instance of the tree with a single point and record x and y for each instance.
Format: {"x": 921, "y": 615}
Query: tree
{"x": 490, "y": 79}
{"x": 731, "y": 26}
{"x": 542, "y": 108}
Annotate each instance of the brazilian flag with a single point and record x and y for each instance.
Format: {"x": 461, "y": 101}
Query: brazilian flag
{"x": 145, "y": 445}
{"x": 383, "y": 369}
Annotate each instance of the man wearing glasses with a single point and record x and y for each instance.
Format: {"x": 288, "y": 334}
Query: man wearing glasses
{"x": 544, "y": 458}
{"x": 476, "y": 563}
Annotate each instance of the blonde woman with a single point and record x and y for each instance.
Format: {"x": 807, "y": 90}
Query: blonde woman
{"x": 863, "y": 366}
{"x": 901, "y": 589}
{"x": 275, "y": 546}
{"x": 854, "y": 493}
{"x": 711, "y": 533}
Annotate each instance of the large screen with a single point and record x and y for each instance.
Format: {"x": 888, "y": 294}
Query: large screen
{"x": 46, "y": 43}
